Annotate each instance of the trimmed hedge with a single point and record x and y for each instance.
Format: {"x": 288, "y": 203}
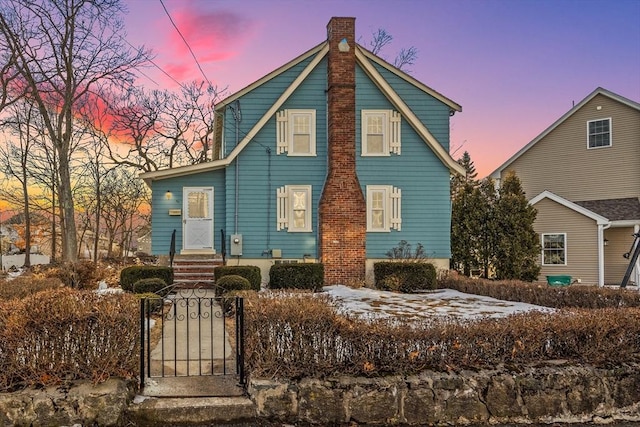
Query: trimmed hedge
{"x": 153, "y": 285}
{"x": 232, "y": 282}
{"x": 249, "y": 272}
{"x": 297, "y": 276}
{"x": 130, "y": 275}
{"x": 404, "y": 277}
{"x": 153, "y": 303}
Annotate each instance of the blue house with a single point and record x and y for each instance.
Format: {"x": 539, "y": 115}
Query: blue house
{"x": 334, "y": 157}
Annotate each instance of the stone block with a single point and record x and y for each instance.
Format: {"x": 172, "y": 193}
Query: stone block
{"x": 319, "y": 402}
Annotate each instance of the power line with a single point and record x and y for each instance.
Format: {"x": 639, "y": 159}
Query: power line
{"x": 155, "y": 65}
{"x": 185, "y": 42}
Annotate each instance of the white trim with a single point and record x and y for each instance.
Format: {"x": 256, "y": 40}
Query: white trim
{"x": 370, "y": 56}
{"x": 406, "y": 112}
{"x": 625, "y": 223}
{"x": 610, "y": 134}
{"x": 599, "y": 91}
{"x": 573, "y": 206}
{"x": 291, "y": 114}
{"x": 201, "y": 167}
{"x": 542, "y": 249}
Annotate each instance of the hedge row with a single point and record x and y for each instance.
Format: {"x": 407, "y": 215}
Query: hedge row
{"x": 543, "y": 294}
{"x": 297, "y": 276}
{"x": 404, "y": 277}
{"x": 297, "y": 335}
{"x": 249, "y": 272}
{"x": 64, "y": 334}
{"x": 130, "y": 275}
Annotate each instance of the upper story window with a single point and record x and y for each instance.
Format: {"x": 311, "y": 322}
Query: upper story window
{"x": 380, "y": 132}
{"x": 294, "y": 208}
{"x": 383, "y": 208}
{"x": 296, "y": 132}
{"x": 554, "y": 249}
{"x": 599, "y": 133}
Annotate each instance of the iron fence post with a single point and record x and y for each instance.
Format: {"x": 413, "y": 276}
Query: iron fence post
{"x": 142, "y": 327}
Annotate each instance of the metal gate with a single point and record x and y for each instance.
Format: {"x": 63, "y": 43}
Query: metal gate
{"x": 191, "y": 333}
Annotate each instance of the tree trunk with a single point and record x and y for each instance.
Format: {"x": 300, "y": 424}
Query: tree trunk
{"x": 69, "y": 238}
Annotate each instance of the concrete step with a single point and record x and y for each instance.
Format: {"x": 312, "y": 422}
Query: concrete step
{"x": 192, "y": 411}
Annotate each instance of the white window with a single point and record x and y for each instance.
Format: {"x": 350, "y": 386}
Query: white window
{"x": 380, "y": 132}
{"x": 554, "y": 249}
{"x": 296, "y": 132}
{"x": 599, "y": 133}
{"x": 383, "y": 208}
{"x": 294, "y": 208}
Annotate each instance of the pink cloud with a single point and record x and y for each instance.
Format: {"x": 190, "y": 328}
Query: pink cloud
{"x": 212, "y": 35}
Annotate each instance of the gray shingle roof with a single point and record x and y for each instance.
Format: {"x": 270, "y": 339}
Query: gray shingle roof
{"x": 615, "y": 209}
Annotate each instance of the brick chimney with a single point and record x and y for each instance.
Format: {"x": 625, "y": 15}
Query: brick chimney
{"x": 342, "y": 211}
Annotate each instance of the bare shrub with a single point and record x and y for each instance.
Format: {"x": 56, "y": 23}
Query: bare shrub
{"x": 542, "y": 294}
{"x": 301, "y": 335}
{"x": 65, "y": 334}
{"x": 23, "y": 286}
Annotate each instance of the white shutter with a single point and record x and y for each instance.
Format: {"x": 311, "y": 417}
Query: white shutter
{"x": 282, "y": 123}
{"x": 394, "y": 132}
{"x": 395, "y": 215}
{"x": 282, "y": 208}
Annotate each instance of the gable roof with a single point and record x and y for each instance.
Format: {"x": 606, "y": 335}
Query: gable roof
{"x": 599, "y": 91}
{"x": 601, "y": 220}
{"x": 317, "y": 53}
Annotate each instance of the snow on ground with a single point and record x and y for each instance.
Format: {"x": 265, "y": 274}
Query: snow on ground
{"x": 372, "y": 303}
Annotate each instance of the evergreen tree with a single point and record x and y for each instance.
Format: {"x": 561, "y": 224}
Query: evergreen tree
{"x": 517, "y": 245}
{"x": 487, "y": 199}
{"x": 470, "y": 177}
{"x": 463, "y": 229}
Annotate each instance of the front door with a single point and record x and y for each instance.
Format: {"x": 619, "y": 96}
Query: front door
{"x": 198, "y": 219}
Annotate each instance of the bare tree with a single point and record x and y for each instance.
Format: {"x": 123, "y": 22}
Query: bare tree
{"x": 63, "y": 50}
{"x": 381, "y": 38}
{"x": 163, "y": 129}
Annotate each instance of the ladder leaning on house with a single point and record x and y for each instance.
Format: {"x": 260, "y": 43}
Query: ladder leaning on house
{"x": 632, "y": 256}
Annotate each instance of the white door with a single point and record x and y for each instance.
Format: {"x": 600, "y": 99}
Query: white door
{"x": 197, "y": 208}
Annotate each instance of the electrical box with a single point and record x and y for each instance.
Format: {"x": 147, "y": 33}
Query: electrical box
{"x": 236, "y": 244}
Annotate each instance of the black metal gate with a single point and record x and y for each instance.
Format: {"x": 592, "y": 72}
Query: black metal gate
{"x": 191, "y": 333}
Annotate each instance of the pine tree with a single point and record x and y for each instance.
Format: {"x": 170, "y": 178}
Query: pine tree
{"x": 470, "y": 177}
{"x": 463, "y": 229}
{"x": 487, "y": 199}
{"x": 517, "y": 245}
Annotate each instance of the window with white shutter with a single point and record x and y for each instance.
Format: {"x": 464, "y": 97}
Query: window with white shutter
{"x": 296, "y": 132}
{"x": 384, "y": 208}
{"x": 380, "y": 132}
{"x": 294, "y": 208}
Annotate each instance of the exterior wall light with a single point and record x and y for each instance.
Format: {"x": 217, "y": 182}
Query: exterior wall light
{"x": 169, "y": 195}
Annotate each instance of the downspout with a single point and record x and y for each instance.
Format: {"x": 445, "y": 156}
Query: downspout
{"x": 237, "y": 116}
{"x": 636, "y": 230}
{"x": 601, "y": 228}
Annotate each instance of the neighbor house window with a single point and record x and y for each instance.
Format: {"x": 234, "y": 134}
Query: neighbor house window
{"x": 554, "y": 249}
{"x": 383, "y": 208}
{"x": 380, "y": 132}
{"x": 599, "y": 133}
{"x": 296, "y": 132}
{"x": 294, "y": 208}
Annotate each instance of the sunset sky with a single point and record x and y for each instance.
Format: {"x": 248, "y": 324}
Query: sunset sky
{"x": 515, "y": 66}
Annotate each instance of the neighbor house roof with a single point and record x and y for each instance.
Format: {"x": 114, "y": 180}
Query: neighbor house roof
{"x": 600, "y": 219}
{"x": 599, "y": 91}
{"x": 364, "y": 59}
{"x": 627, "y": 209}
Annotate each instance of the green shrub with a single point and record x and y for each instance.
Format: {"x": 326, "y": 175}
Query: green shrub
{"x": 297, "y": 276}
{"x": 404, "y": 276}
{"x": 152, "y": 285}
{"x": 130, "y": 275}
{"x": 232, "y": 282}
{"x": 249, "y": 272}
{"x": 153, "y": 302}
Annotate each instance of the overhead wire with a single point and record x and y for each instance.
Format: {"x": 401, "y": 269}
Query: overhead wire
{"x": 186, "y": 43}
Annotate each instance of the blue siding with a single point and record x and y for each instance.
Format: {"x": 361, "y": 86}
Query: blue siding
{"x": 262, "y": 172}
{"x": 163, "y": 224}
{"x": 421, "y": 176}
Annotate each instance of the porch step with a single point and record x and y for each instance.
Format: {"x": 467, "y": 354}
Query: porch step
{"x": 193, "y": 411}
{"x": 195, "y": 271}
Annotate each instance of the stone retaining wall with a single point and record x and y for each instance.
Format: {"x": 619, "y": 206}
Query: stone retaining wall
{"x": 534, "y": 394}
